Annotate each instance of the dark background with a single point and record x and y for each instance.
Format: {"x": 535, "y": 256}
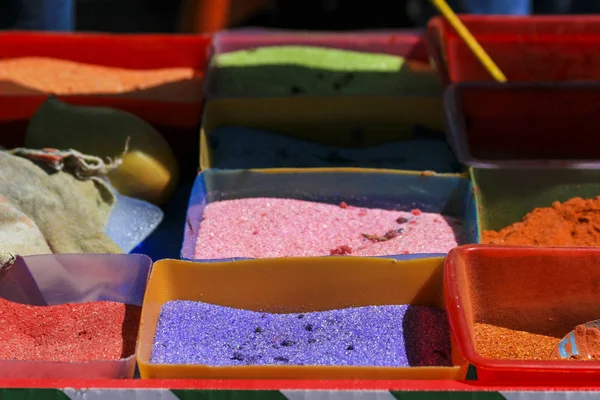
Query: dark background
{"x": 162, "y": 15}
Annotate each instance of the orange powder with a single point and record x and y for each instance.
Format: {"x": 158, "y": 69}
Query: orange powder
{"x": 573, "y": 223}
{"x": 35, "y": 75}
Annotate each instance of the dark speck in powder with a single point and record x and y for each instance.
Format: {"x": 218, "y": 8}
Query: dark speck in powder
{"x": 391, "y": 234}
{"x": 238, "y": 356}
{"x": 283, "y": 153}
{"x": 295, "y": 89}
{"x": 287, "y": 343}
{"x": 300, "y": 316}
{"x": 258, "y": 329}
{"x": 282, "y": 359}
{"x": 401, "y": 220}
{"x": 308, "y": 327}
{"x": 312, "y": 341}
{"x": 351, "y": 347}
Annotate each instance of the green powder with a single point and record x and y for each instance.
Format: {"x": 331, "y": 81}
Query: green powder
{"x": 303, "y": 70}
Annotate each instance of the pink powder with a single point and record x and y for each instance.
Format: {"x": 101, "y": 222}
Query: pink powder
{"x": 269, "y": 227}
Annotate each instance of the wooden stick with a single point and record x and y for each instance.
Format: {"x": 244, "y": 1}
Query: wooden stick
{"x": 469, "y": 40}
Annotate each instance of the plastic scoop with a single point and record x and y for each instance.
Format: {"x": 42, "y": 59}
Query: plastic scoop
{"x": 582, "y": 343}
{"x": 469, "y": 40}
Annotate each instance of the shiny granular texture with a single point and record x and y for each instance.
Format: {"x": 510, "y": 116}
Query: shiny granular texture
{"x": 199, "y": 333}
{"x": 575, "y": 222}
{"x": 501, "y": 343}
{"x": 30, "y": 75}
{"x": 270, "y": 227}
{"x": 68, "y": 332}
{"x": 237, "y": 147}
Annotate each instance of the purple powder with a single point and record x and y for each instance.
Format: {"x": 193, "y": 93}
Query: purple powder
{"x": 191, "y": 332}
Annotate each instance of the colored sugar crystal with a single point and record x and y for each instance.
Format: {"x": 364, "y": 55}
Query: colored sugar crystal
{"x": 34, "y": 75}
{"x": 68, "y": 332}
{"x": 572, "y": 223}
{"x": 236, "y": 147}
{"x": 311, "y": 70}
{"x": 501, "y": 343}
{"x": 191, "y": 332}
{"x": 270, "y": 227}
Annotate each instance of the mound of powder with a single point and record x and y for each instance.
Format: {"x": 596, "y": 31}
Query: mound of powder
{"x": 501, "y": 343}
{"x": 575, "y": 222}
{"x": 30, "y": 75}
{"x": 68, "y": 332}
{"x": 191, "y": 332}
{"x": 315, "y": 70}
{"x": 237, "y": 147}
{"x": 271, "y": 227}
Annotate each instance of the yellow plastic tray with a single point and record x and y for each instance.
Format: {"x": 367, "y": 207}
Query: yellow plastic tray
{"x": 297, "y": 285}
{"x": 327, "y": 120}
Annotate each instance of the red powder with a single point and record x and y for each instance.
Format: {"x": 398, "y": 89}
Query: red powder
{"x": 341, "y": 251}
{"x": 573, "y": 223}
{"x": 68, "y": 332}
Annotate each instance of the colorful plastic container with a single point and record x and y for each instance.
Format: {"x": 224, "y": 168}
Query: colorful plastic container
{"x": 405, "y": 43}
{"x": 538, "y": 48}
{"x": 176, "y": 121}
{"x": 328, "y": 120}
{"x": 74, "y": 278}
{"x": 450, "y": 194}
{"x": 292, "y": 285}
{"x": 538, "y": 290}
{"x": 524, "y": 124}
{"x": 505, "y": 196}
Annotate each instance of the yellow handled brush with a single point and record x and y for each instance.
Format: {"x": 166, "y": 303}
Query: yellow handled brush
{"x": 470, "y": 41}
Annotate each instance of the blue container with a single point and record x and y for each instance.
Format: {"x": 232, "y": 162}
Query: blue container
{"x": 450, "y": 194}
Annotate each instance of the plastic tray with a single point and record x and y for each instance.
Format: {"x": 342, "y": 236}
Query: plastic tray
{"x": 539, "y": 48}
{"x": 407, "y": 44}
{"x": 524, "y": 124}
{"x": 539, "y": 290}
{"x": 74, "y": 278}
{"x": 178, "y": 122}
{"x": 505, "y": 196}
{"x": 292, "y": 285}
{"x": 116, "y": 50}
{"x": 328, "y": 120}
{"x": 450, "y": 194}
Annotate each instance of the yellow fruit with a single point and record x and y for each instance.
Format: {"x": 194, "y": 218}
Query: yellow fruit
{"x": 149, "y": 171}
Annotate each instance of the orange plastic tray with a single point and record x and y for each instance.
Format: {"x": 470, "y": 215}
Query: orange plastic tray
{"x": 292, "y": 285}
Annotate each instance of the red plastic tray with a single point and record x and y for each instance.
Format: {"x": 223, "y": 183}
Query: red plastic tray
{"x": 178, "y": 122}
{"x": 533, "y": 289}
{"x": 524, "y": 124}
{"x": 540, "y": 48}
